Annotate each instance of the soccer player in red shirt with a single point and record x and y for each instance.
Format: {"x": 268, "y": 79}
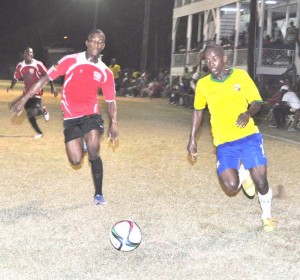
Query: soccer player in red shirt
{"x": 84, "y": 74}
{"x": 30, "y": 70}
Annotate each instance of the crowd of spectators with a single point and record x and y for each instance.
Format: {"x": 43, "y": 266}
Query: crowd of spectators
{"x": 137, "y": 84}
{"x": 179, "y": 91}
{"x": 183, "y": 88}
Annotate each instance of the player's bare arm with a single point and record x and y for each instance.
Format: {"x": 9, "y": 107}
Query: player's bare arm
{"x": 112, "y": 112}
{"x": 18, "y": 106}
{"x": 53, "y": 89}
{"x": 13, "y": 83}
{"x": 196, "y": 122}
{"x": 243, "y": 118}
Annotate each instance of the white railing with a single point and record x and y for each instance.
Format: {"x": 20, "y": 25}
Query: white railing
{"x": 270, "y": 57}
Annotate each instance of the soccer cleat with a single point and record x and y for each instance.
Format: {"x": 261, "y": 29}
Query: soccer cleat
{"x": 246, "y": 181}
{"x": 269, "y": 224}
{"x": 38, "y": 136}
{"x": 99, "y": 199}
{"x": 46, "y": 114}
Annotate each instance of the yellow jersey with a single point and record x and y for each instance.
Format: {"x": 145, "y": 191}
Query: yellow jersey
{"x": 116, "y": 69}
{"x": 226, "y": 100}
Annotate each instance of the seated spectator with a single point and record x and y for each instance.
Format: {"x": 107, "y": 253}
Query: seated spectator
{"x": 157, "y": 89}
{"x": 290, "y": 103}
{"x": 133, "y": 88}
{"x": 275, "y": 99}
{"x": 124, "y": 84}
{"x": 174, "y": 94}
{"x": 153, "y": 89}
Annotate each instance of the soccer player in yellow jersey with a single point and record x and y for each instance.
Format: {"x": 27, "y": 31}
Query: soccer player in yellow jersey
{"x": 116, "y": 70}
{"x": 232, "y": 99}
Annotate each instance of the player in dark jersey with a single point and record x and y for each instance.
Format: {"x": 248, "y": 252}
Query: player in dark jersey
{"x": 30, "y": 70}
{"x": 84, "y": 74}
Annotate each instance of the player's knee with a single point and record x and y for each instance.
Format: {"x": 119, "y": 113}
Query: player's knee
{"x": 231, "y": 187}
{"x": 75, "y": 160}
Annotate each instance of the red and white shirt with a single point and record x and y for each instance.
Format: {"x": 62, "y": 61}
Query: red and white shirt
{"x": 79, "y": 96}
{"x": 30, "y": 73}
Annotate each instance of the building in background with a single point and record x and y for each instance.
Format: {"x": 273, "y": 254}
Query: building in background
{"x": 198, "y": 22}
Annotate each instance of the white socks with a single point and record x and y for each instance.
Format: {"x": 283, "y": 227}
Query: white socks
{"x": 265, "y": 204}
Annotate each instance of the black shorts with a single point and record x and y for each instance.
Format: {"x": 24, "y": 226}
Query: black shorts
{"x": 77, "y": 128}
{"x": 33, "y": 103}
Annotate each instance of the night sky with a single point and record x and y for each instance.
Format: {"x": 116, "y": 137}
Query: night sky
{"x": 39, "y": 23}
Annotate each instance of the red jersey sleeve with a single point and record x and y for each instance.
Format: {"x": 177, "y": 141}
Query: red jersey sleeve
{"x": 18, "y": 74}
{"x": 42, "y": 68}
{"x": 108, "y": 87}
{"x": 61, "y": 67}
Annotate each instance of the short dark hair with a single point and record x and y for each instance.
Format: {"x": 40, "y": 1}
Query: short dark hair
{"x": 27, "y": 48}
{"x": 96, "y": 31}
{"x": 216, "y": 47}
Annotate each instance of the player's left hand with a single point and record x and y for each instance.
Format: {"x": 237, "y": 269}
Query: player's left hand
{"x": 242, "y": 120}
{"x": 113, "y": 132}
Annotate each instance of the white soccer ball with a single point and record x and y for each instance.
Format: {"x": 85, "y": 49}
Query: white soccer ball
{"x": 125, "y": 235}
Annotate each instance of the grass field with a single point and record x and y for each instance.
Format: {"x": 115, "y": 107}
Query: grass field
{"x": 50, "y": 228}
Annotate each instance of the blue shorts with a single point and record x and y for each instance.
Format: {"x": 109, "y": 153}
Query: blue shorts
{"x": 248, "y": 150}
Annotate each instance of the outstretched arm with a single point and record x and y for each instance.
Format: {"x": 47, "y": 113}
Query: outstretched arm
{"x": 112, "y": 113}
{"x": 196, "y": 122}
{"x": 18, "y": 106}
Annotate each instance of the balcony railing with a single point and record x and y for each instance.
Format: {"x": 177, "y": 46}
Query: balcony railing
{"x": 179, "y": 3}
{"x": 270, "y": 57}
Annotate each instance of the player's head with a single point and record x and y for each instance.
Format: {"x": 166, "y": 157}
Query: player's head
{"x": 96, "y": 31}
{"x": 214, "y": 58}
{"x": 28, "y": 54}
{"x": 95, "y": 42}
